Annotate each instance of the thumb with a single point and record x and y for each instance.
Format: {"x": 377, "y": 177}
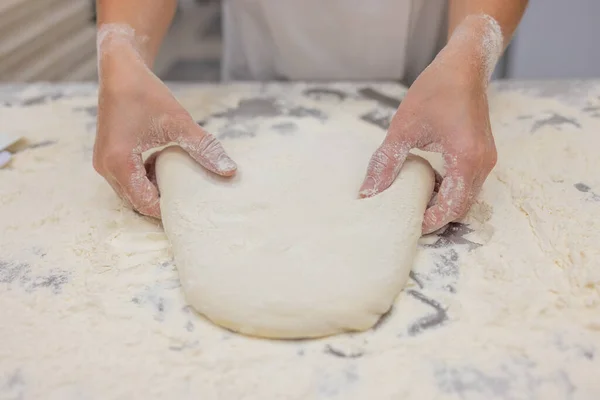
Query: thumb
{"x": 384, "y": 166}
{"x": 206, "y": 150}
{"x": 453, "y": 202}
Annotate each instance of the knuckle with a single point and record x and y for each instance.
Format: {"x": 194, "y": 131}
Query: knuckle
{"x": 382, "y": 155}
{"x": 492, "y": 159}
{"x": 209, "y": 145}
{"x": 97, "y": 164}
{"x": 379, "y": 160}
{"x": 201, "y": 144}
{"x": 114, "y": 160}
{"x": 474, "y": 151}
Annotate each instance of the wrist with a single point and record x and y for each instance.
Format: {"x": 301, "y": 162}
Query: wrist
{"x": 118, "y": 45}
{"x": 119, "y": 70}
{"x": 119, "y": 61}
{"x": 474, "y": 48}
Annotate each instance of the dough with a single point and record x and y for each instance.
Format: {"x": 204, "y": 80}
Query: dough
{"x": 285, "y": 249}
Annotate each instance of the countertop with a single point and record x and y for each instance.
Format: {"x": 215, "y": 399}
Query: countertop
{"x": 502, "y": 305}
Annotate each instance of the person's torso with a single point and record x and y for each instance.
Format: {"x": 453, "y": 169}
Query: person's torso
{"x": 322, "y": 39}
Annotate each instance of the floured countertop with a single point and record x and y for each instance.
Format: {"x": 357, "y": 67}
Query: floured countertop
{"x": 504, "y": 305}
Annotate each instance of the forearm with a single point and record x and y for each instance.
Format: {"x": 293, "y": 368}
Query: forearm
{"x": 133, "y": 23}
{"x": 480, "y": 30}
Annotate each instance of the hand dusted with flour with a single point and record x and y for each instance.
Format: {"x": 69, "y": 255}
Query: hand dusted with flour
{"x": 293, "y": 253}
{"x": 446, "y": 111}
{"x": 137, "y": 112}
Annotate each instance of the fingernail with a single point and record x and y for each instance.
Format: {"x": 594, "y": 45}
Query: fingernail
{"x": 368, "y": 188}
{"x": 225, "y": 164}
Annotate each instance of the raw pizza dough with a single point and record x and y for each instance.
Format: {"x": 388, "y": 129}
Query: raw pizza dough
{"x": 285, "y": 249}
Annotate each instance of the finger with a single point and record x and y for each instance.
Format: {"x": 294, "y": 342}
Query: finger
{"x": 136, "y": 187}
{"x": 384, "y": 166}
{"x": 206, "y": 150}
{"x": 453, "y": 200}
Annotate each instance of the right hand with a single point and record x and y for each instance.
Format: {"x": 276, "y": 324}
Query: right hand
{"x": 137, "y": 112}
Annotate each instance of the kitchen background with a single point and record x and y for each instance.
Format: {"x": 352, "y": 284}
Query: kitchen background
{"x": 54, "y": 40}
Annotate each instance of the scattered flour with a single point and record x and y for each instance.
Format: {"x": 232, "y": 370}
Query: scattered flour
{"x": 91, "y": 306}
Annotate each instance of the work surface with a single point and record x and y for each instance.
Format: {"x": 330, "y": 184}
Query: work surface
{"x": 504, "y": 305}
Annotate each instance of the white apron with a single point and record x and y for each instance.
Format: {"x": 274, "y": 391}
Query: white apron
{"x": 330, "y": 39}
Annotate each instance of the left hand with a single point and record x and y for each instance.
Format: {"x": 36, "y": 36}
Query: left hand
{"x": 445, "y": 111}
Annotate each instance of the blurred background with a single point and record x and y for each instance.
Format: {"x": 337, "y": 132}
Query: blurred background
{"x": 54, "y": 40}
